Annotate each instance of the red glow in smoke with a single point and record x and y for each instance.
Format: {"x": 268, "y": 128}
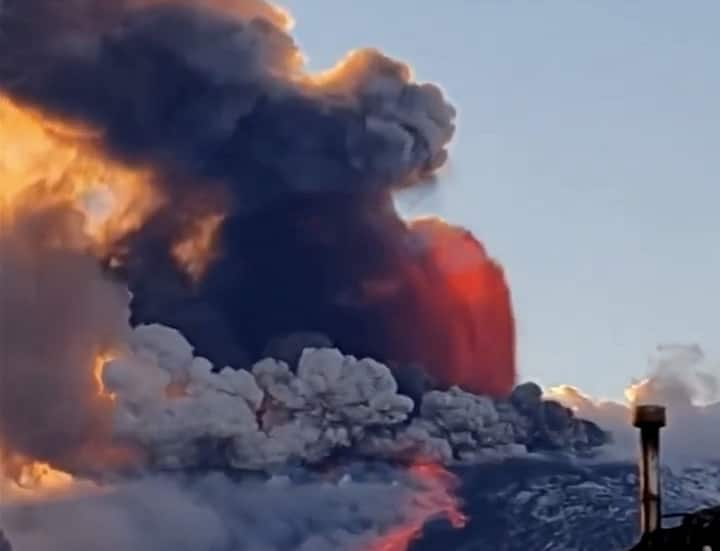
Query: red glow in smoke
{"x": 457, "y": 315}
{"x": 434, "y": 501}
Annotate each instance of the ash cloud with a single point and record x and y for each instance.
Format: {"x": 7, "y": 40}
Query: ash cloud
{"x": 213, "y": 100}
{"x": 216, "y": 100}
{"x": 214, "y": 512}
{"x": 334, "y": 407}
{"x": 58, "y": 310}
{"x": 223, "y": 97}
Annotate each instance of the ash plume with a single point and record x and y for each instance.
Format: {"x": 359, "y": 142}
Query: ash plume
{"x": 57, "y": 312}
{"x": 214, "y": 99}
{"x": 252, "y": 220}
{"x": 183, "y": 414}
{"x": 214, "y": 512}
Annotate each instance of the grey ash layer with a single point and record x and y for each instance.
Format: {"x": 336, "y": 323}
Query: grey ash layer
{"x": 324, "y": 406}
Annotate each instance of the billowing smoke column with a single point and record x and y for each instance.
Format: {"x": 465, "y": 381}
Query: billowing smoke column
{"x": 57, "y": 314}
{"x": 248, "y": 205}
{"x": 287, "y": 177}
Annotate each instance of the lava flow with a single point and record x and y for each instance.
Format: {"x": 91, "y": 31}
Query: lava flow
{"x": 435, "y": 500}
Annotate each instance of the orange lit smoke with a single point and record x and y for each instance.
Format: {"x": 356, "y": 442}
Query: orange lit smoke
{"x": 349, "y": 72}
{"x": 458, "y": 316}
{"x": 612, "y": 415}
{"x": 568, "y": 395}
{"x": 636, "y": 392}
{"x": 46, "y": 164}
{"x": 107, "y": 455}
{"x": 99, "y": 364}
{"x": 434, "y": 501}
{"x": 239, "y": 8}
{"x": 49, "y": 160}
{"x": 195, "y": 251}
{"x": 573, "y": 398}
{"x": 35, "y": 482}
{"x": 41, "y": 475}
{"x": 30, "y": 475}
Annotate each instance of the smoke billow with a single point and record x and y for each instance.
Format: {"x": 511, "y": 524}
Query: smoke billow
{"x": 215, "y": 512}
{"x": 183, "y": 414}
{"x": 58, "y": 312}
{"x": 288, "y": 175}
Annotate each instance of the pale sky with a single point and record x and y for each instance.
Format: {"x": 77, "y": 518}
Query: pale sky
{"x": 587, "y": 160}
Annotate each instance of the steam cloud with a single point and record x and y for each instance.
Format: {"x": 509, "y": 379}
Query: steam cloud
{"x": 300, "y": 168}
{"x": 685, "y": 382}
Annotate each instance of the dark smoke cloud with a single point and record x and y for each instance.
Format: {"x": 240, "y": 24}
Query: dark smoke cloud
{"x": 214, "y": 97}
{"x": 57, "y": 311}
{"x": 223, "y": 98}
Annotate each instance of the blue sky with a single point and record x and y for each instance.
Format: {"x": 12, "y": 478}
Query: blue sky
{"x": 587, "y": 159}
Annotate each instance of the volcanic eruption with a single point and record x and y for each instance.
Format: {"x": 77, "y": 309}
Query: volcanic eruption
{"x": 207, "y": 286}
{"x": 180, "y": 150}
{"x": 276, "y": 213}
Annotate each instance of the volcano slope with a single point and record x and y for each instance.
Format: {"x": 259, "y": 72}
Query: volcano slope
{"x": 558, "y": 504}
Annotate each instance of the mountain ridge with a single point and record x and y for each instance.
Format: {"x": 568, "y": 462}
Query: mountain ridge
{"x": 553, "y": 504}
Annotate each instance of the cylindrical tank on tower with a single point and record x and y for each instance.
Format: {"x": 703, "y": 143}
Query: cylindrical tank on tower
{"x": 650, "y": 419}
